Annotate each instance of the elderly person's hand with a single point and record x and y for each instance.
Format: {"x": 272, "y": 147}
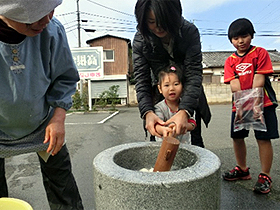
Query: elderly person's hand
{"x": 55, "y": 131}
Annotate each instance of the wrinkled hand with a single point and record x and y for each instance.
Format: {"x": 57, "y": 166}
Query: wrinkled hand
{"x": 55, "y": 131}
{"x": 180, "y": 119}
{"x": 151, "y": 120}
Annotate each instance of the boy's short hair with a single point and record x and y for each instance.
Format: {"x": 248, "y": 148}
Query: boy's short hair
{"x": 239, "y": 27}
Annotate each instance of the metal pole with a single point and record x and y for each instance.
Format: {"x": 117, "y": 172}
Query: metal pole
{"x": 79, "y": 42}
{"x": 89, "y": 95}
{"x": 79, "y": 24}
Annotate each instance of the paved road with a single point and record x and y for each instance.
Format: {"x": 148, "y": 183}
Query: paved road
{"x": 86, "y": 137}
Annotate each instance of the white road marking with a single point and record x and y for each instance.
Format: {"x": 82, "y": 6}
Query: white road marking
{"x": 107, "y": 118}
{"x": 93, "y": 123}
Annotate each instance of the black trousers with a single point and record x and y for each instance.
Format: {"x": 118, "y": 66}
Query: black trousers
{"x": 60, "y": 185}
{"x": 196, "y": 137}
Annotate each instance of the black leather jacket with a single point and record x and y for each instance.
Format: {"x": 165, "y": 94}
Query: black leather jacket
{"x": 149, "y": 56}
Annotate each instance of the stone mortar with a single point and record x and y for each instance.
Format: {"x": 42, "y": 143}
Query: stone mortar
{"x": 192, "y": 183}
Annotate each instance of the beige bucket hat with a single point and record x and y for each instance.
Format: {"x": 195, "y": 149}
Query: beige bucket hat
{"x": 27, "y": 11}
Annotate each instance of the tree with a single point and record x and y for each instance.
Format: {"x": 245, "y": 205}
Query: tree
{"x": 85, "y": 97}
{"x": 77, "y": 101}
{"x": 110, "y": 96}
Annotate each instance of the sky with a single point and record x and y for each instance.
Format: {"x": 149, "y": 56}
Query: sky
{"x": 212, "y": 18}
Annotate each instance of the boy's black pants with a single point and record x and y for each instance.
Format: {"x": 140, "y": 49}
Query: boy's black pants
{"x": 60, "y": 185}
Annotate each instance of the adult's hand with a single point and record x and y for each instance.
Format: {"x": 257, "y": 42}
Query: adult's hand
{"x": 181, "y": 120}
{"x": 55, "y": 131}
{"x": 151, "y": 120}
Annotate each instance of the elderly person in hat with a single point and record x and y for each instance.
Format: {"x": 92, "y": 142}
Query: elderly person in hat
{"x": 38, "y": 78}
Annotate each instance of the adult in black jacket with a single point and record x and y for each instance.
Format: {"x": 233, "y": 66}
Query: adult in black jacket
{"x": 165, "y": 37}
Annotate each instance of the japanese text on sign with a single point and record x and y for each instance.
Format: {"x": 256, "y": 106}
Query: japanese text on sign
{"x": 85, "y": 60}
{"x": 84, "y": 75}
{"x": 89, "y": 62}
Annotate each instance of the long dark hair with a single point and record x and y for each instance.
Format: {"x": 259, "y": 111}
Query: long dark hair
{"x": 168, "y": 15}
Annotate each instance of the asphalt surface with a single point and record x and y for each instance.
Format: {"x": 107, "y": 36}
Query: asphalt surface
{"x": 89, "y": 134}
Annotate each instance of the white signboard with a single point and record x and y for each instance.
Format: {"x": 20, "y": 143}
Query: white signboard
{"x": 89, "y": 62}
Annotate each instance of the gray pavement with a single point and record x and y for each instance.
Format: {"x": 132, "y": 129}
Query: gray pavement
{"x": 86, "y": 138}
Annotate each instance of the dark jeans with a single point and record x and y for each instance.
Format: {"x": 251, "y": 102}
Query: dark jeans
{"x": 60, "y": 185}
{"x": 196, "y": 137}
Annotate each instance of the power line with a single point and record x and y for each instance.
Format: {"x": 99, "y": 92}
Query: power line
{"x": 109, "y": 27}
{"x": 110, "y": 8}
{"x": 112, "y": 22}
{"x": 72, "y": 31}
{"x": 224, "y": 34}
{"x": 65, "y": 14}
{"x": 66, "y": 28}
{"x": 107, "y": 17}
{"x": 72, "y": 21}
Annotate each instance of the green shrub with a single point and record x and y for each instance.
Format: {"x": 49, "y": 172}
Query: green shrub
{"x": 110, "y": 96}
{"x": 77, "y": 101}
{"x": 84, "y": 97}
{"x": 107, "y": 97}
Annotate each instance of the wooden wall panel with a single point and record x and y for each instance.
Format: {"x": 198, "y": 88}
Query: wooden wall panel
{"x": 120, "y": 65}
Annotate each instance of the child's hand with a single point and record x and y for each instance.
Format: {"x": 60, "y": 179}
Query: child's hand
{"x": 167, "y": 131}
{"x": 257, "y": 107}
{"x": 258, "y": 114}
{"x": 172, "y": 129}
{"x": 238, "y": 116}
{"x": 181, "y": 120}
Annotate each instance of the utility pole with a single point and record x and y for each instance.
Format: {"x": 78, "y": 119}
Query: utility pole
{"x": 79, "y": 41}
{"x": 79, "y": 24}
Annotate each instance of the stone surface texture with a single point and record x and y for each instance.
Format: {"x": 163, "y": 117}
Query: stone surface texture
{"x": 192, "y": 183}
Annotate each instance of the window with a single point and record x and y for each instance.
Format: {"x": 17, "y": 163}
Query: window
{"x": 108, "y": 55}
